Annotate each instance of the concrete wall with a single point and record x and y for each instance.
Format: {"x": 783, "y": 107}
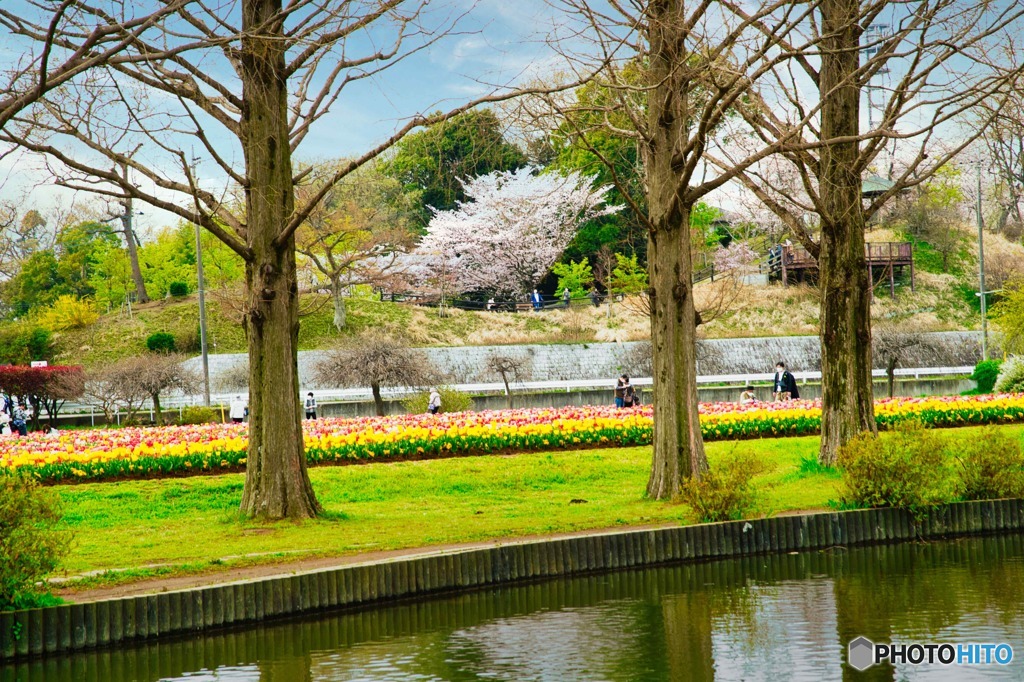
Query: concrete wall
{"x": 75, "y": 627}
{"x": 560, "y": 362}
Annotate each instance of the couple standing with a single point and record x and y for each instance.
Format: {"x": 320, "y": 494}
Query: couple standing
{"x": 625, "y": 394}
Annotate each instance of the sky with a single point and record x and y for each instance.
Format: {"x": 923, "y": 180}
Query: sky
{"x": 496, "y": 42}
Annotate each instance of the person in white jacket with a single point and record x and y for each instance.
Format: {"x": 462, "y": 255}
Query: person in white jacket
{"x": 238, "y": 410}
{"x": 434, "y": 404}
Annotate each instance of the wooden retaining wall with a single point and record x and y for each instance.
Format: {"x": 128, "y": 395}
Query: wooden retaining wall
{"x": 74, "y": 627}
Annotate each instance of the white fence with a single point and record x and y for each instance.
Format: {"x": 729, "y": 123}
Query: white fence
{"x": 361, "y": 394}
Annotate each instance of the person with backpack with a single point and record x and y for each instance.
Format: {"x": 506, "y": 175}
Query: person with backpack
{"x": 310, "y": 406}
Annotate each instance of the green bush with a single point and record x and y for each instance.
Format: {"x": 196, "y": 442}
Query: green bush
{"x": 22, "y": 342}
{"x": 451, "y": 401}
{"x": 31, "y": 543}
{"x": 725, "y": 491}
{"x": 178, "y": 289}
{"x": 991, "y": 465}
{"x": 985, "y": 373}
{"x": 161, "y": 342}
{"x": 905, "y": 468}
{"x": 1011, "y": 376}
{"x": 198, "y": 414}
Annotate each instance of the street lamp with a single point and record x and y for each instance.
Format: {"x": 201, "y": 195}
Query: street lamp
{"x": 202, "y": 292}
{"x": 981, "y": 273}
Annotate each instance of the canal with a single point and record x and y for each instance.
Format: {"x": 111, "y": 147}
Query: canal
{"x": 773, "y": 617}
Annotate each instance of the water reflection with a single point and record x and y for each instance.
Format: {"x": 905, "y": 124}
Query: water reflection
{"x": 758, "y": 618}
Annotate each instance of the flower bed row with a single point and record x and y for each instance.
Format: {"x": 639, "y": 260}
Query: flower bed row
{"x": 180, "y": 450}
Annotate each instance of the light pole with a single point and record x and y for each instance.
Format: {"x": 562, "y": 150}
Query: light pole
{"x": 981, "y": 273}
{"x": 202, "y": 293}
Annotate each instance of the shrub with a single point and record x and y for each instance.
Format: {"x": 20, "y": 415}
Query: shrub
{"x": 178, "y": 289}
{"x": 905, "y": 468}
{"x": 161, "y": 342}
{"x": 451, "y": 401}
{"x": 198, "y": 414}
{"x": 31, "y": 544}
{"x": 1011, "y": 376}
{"x": 68, "y": 312}
{"x": 22, "y": 342}
{"x": 985, "y": 373}
{"x": 991, "y": 465}
{"x": 725, "y": 491}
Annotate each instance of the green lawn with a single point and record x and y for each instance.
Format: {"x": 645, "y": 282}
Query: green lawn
{"x": 372, "y": 507}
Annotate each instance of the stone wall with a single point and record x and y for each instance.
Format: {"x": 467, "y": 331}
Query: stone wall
{"x": 76, "y": 627}
{"x": 562, "y": 362}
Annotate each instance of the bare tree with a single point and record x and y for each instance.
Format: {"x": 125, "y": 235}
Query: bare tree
{"x": 679, "y": 70}
{"x": 892, "y": 346}
{"x": 115, "y": 388}
{"x": 250, "y": 81}
{"x": 509, "y": 368}
{"x": 355, "y": 234}
{"x": 159, "y": 373}
{"x": 377, "y": 361}
{"x": 941, "y": 57}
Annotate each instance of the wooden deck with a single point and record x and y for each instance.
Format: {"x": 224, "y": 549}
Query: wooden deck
{"x": 789, "y": 264}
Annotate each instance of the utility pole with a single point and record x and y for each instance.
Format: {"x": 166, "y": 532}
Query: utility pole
{"x": 981, "y": 273}
{"x": 202, "y": 293}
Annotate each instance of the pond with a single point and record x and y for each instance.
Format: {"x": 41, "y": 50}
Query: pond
{"x": 780, "y": 617}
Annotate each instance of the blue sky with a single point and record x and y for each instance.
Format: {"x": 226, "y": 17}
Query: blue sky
{"x": 497, "y": 41}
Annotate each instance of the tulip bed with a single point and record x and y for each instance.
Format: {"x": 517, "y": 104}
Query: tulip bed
{"x": 182, "y": 450}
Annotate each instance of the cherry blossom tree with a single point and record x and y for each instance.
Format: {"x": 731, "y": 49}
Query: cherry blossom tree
{"x": 511, "y": 230}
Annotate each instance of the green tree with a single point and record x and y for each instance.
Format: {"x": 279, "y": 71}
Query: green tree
{"x": 628, "y": 276}
{"x": 577, "y": 276}
{"x": 584, "y": 143}
{"x": 433, "y": 163}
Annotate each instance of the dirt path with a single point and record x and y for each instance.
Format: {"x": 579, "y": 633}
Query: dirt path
{"x": 229, "y": 575}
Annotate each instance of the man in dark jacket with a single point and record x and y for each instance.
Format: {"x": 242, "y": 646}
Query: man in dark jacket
{"x": 785, "y": 383}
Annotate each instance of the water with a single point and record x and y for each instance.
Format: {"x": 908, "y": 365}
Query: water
{"x": 783, "y": 617}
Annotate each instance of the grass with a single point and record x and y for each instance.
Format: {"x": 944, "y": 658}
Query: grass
{"x": 392, "y": 506}
{"x": 184, "y": 526}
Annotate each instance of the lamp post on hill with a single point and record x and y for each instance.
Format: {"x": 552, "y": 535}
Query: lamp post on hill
{"x": 201, "y": 289}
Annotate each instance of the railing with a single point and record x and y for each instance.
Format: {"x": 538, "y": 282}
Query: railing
{"x": 361, "y": 394}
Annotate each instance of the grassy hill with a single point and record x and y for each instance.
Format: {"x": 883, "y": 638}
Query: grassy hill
{"x": 939, "y": 303}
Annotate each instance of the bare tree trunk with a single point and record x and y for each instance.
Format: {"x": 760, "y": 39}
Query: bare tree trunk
{"x": 378, "y": 401}
{"x": 847, "y": 401}
{"x": 141, "y": 295}
{"x": 508, "y": 391}
{"x": 158, "y": 417}
{"x": 678, "y": 444}
{"x": 337, "y": 294}
{"x": 276, "y": 482}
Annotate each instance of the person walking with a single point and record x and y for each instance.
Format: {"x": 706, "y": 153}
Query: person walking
{"x": 434, "y": 404}
{"x": 566, "y": 297}
{"x": 538, "y": 302}
{"x": 785, "y": 383}
{"x": 237, "y": 410}
{"x": 310, "y": 406}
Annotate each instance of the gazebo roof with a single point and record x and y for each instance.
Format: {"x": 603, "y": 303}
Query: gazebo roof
{"x": 874, "y": 185}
